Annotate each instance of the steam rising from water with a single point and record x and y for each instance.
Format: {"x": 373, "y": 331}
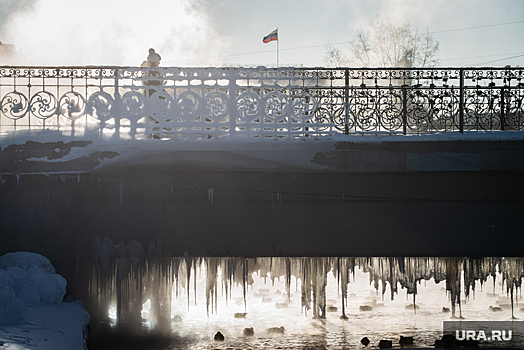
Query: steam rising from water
{"x": 99, "y": 32}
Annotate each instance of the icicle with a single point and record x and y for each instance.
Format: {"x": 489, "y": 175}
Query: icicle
{"x": 78, "y": 177}
{"x": 195, "y": 280}
{"x": 453, "y": 276}
{"x": 120, "y": 258}
{"x": 135, "y": 250}
{"x": 279, "y": 198}
{"x": 2, "y": 180}
{"x": 245, "y": 270}
{"x": 210, "y": 193}
{"x": 306, "y": 285}
{"x": 123, "y": 283}
{"x": 319, "y": 282}
{"x": 17, "y": 179}
{"x": 288, "y": 278}
{"x": 342, "y": 275}
{"x": 211, "y": 283}
{"x": 189, "y": 263}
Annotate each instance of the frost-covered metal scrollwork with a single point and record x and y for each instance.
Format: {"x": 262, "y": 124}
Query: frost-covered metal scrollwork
{"x": 72, "y": 105}
{"x": 305, "y": 105}
{"x": 14, "y": 105}
{"x": 217, "y": 104}
{"x": 100, "y": 105}
{"x": 276, "y": 105}
{"x": 43, "y": 105}
{"x": 190, "y": 105}
{"x": 134, "y": 105}
{"x": 269, "y": 103}
{"x": 248, "y": 105}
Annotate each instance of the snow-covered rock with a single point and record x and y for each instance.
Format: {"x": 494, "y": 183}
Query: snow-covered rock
{"x": 31, "y": 291}
{"x": 25, "y": 261}
{"x": 41, "y": 287}
{"x": 30, "y": 278}
{"x": 11, "y": 307}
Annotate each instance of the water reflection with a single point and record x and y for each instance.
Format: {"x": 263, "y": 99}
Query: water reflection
{"x": 180, "y": 303}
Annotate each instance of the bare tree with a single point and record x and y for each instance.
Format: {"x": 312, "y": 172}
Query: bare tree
{"x": 425, "y": 49}
{"x": 360, "y": 49}
{"x": 389, "y": 44}
{"x": 334, "y": 57}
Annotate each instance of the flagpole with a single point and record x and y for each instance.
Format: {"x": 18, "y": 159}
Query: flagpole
{"x": 278, "y": 40}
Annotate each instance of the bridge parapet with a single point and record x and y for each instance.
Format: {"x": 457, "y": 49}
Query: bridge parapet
{"x": 172, "y": 103}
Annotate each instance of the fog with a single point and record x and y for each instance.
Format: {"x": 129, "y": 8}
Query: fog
{"x": 212, "y": 33}
{"x": 97, "y": 32}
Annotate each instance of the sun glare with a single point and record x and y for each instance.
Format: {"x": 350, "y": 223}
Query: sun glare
{"x": 110, "y": 33}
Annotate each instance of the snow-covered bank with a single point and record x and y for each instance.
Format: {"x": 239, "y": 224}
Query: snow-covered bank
{"x": 53, "y": 327}
{"x": 31, "y": 310}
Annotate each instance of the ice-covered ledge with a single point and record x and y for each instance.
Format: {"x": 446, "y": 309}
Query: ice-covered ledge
{"x": 52, "y": 152}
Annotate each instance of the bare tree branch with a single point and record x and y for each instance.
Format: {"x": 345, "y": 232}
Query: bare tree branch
{"x": 334, "y": 57}
{"x": 360, "y": 49}
{"x": 388, "y": 44}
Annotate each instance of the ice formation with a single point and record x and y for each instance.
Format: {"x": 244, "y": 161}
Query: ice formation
{"x": 127, "y": 277}
{"x": 27, "y": 279}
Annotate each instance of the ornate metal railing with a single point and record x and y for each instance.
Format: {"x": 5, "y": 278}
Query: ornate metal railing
{"x": 257, "y": 103}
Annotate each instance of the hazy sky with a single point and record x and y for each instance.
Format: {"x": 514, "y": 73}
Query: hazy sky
{"x": 218, "y": 32}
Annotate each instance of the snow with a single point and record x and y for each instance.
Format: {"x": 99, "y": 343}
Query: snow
{"x": 32, "y": 278}
{"x": 11, "y": 307}
{"x": 240, "y": 143}
{"x": 25, "y": 261}
{"x": 31, "y": 310}
{"x": 256, "y": 152}
{"x": 49, "y": 327}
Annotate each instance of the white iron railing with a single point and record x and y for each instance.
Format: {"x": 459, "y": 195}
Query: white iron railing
{"x": 257, "y": 103}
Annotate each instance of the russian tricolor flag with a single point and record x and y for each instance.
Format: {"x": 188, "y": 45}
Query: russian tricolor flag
{"x": 273, "y": 36}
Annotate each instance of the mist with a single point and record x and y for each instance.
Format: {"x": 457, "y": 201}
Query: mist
{"x": 97, "y": 32}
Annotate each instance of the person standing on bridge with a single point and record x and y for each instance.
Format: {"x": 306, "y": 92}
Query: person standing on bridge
{"x": 153, "y": 58}
{"x": 154, "y": 80}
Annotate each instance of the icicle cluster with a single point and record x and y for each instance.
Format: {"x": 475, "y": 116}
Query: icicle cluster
{"x": 126, "y": 276}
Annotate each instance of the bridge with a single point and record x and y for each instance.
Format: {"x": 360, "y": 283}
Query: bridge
{"x": 262, "y": 162}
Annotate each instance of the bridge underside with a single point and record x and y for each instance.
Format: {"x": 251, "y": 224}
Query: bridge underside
{"x": 271, "y": 214}
{"x": 470, "y": 206}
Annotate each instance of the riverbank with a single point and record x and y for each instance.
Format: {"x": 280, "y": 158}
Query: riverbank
{"x": 52, "y": 327}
